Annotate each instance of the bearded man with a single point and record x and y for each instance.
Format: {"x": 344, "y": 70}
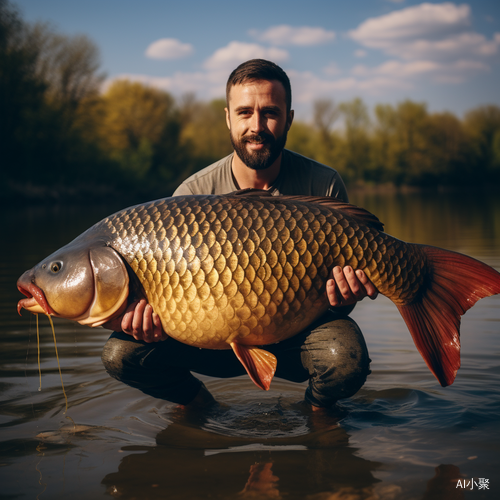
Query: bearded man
{"x": 331, "y": 353}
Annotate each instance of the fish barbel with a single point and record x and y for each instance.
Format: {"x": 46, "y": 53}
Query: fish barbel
{"x": 249, "y": 269}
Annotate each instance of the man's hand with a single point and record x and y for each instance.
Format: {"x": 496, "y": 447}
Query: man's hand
{"x": 140, "y": 321}
{"x": 346, "y": 287}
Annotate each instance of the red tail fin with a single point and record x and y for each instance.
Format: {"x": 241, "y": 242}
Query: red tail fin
{"x": 455, "y": 283}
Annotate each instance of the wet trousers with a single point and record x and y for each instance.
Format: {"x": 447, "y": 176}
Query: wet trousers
{"x": 331, "y": 354}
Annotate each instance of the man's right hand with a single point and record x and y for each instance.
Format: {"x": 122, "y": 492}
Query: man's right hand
{"x": 140, "y": 321}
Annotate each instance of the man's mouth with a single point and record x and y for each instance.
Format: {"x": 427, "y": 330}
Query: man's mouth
{"x": 256, "y": 145}
{"x": 256, "y": 139}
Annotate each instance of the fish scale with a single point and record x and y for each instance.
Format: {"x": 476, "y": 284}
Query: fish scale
{"x": 215, "y": 269}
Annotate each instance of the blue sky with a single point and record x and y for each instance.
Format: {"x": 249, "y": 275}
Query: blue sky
{"x": 446, "y": 54}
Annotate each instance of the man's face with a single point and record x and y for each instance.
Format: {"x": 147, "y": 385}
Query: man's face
{"x": 258, "y": 122}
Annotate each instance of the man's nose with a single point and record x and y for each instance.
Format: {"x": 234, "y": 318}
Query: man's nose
{"x": 257, "y": 123}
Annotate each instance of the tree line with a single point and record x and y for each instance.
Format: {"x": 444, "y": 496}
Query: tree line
{"x": 63, "y": 137}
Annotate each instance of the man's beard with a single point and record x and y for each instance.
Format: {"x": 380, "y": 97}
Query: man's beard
{"x": 259, "y": 160}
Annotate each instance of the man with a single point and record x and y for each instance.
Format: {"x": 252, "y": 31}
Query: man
{"x": 331, "y": 353}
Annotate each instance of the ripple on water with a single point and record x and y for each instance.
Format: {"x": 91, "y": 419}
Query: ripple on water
{"x": 277, "y": 419}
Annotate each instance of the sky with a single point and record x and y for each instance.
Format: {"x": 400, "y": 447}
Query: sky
{"x": 445, "y": 54}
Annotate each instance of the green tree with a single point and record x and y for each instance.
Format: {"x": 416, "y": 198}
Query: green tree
{"x": 383, "y": 161}
{"x": 448, "y": 150}
{"x": 304, "y": 139}
{"x": 356, "y": 150}
{"x": 205, "y": 133}
{"x": 482, "y": 126}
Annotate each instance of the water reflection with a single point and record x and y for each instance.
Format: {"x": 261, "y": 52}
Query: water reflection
{"x": 328, "y": 470}
{"x": 443, "y": 486}
{"x": 186, "y": 453}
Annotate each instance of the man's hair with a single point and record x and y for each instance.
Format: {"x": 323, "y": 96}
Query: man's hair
{"x": 260, "y": 69}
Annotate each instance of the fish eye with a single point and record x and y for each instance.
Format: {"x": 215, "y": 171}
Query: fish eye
{"x": 55, "y": 267}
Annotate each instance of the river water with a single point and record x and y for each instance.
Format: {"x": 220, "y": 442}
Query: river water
{"x": 402, "y": 436}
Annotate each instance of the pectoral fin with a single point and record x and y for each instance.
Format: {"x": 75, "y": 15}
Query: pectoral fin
{"x": 259, "y": 364}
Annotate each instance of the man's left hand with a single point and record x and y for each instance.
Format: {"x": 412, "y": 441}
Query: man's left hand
{"x": 346, "y": 287}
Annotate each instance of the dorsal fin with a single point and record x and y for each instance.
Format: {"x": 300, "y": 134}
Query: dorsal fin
{"x": 352, "y": 210}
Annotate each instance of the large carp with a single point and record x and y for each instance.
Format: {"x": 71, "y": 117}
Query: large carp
{"x": 248, "y": 269}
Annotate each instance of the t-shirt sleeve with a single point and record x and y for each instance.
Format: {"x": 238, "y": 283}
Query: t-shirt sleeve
{"x": 182, "y": 190}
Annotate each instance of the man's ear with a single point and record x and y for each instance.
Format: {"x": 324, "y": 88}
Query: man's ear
{"x": 289, "y": 119}
{"x": 228, "y": 121}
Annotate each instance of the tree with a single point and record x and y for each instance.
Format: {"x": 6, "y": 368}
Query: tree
{"x": 205, "y": 133}
{"x": 482, "y": 126}
{"x": 140, "y": 127}
{"x": 383, "y": 161}
{"x": 357, "y": 142}
{"x": 448, "y": 150}
{"x": 68, "y": 64}
{"x": 21, "y": 92}
{"x": 325, "y": 113}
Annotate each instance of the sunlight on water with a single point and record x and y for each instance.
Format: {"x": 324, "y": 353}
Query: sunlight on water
{"x": 402, "y": 436}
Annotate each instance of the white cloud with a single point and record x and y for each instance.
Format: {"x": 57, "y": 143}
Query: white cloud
{"x": 308, "y": 87}
{"x": 168, "y": 48}
{"x": 427, "y": 39}
{"x": 360, "y": 53}
{"x": 459, "y": 71}
{"x": 425, "y": 21}
{"x": 289, "y": 35}
{"x": 455, "y": 72}
{"x": 227, "y": 58}
{"x": 332, "y": 69}
{"x": 426, "y": 31}
{"x": 396, "y": 69}
{"x": 460, "y": 45}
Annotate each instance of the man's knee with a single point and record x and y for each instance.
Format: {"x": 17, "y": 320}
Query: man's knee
{"x": 337, "y": 358}
{"x": 138, "y": 365}
{"x": 121, "y": 356}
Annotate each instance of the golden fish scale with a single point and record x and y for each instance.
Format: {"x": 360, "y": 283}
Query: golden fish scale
{"x": 218, "y": 269}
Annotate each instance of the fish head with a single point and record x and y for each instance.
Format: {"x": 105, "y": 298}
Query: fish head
{"x": 82, "y": 281}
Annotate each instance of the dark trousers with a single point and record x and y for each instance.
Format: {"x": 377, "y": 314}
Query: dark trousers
{"x": 331, "y": 353}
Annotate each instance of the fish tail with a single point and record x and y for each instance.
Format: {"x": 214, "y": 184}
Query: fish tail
{"x": 454, "y": 283}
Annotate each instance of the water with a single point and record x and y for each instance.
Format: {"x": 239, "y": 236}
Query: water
{"x": 402, "y": 436}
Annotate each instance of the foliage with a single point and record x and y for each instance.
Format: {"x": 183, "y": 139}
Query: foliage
{"x": 61, "y": 136}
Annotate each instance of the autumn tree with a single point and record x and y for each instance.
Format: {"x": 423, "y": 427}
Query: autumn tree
{"x": 140, "y": 127}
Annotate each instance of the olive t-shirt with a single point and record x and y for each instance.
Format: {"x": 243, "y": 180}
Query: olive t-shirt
{"x": 298, "y": 175}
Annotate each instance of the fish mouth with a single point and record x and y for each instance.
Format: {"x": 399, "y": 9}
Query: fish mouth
{"x": 35, "y": 301}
